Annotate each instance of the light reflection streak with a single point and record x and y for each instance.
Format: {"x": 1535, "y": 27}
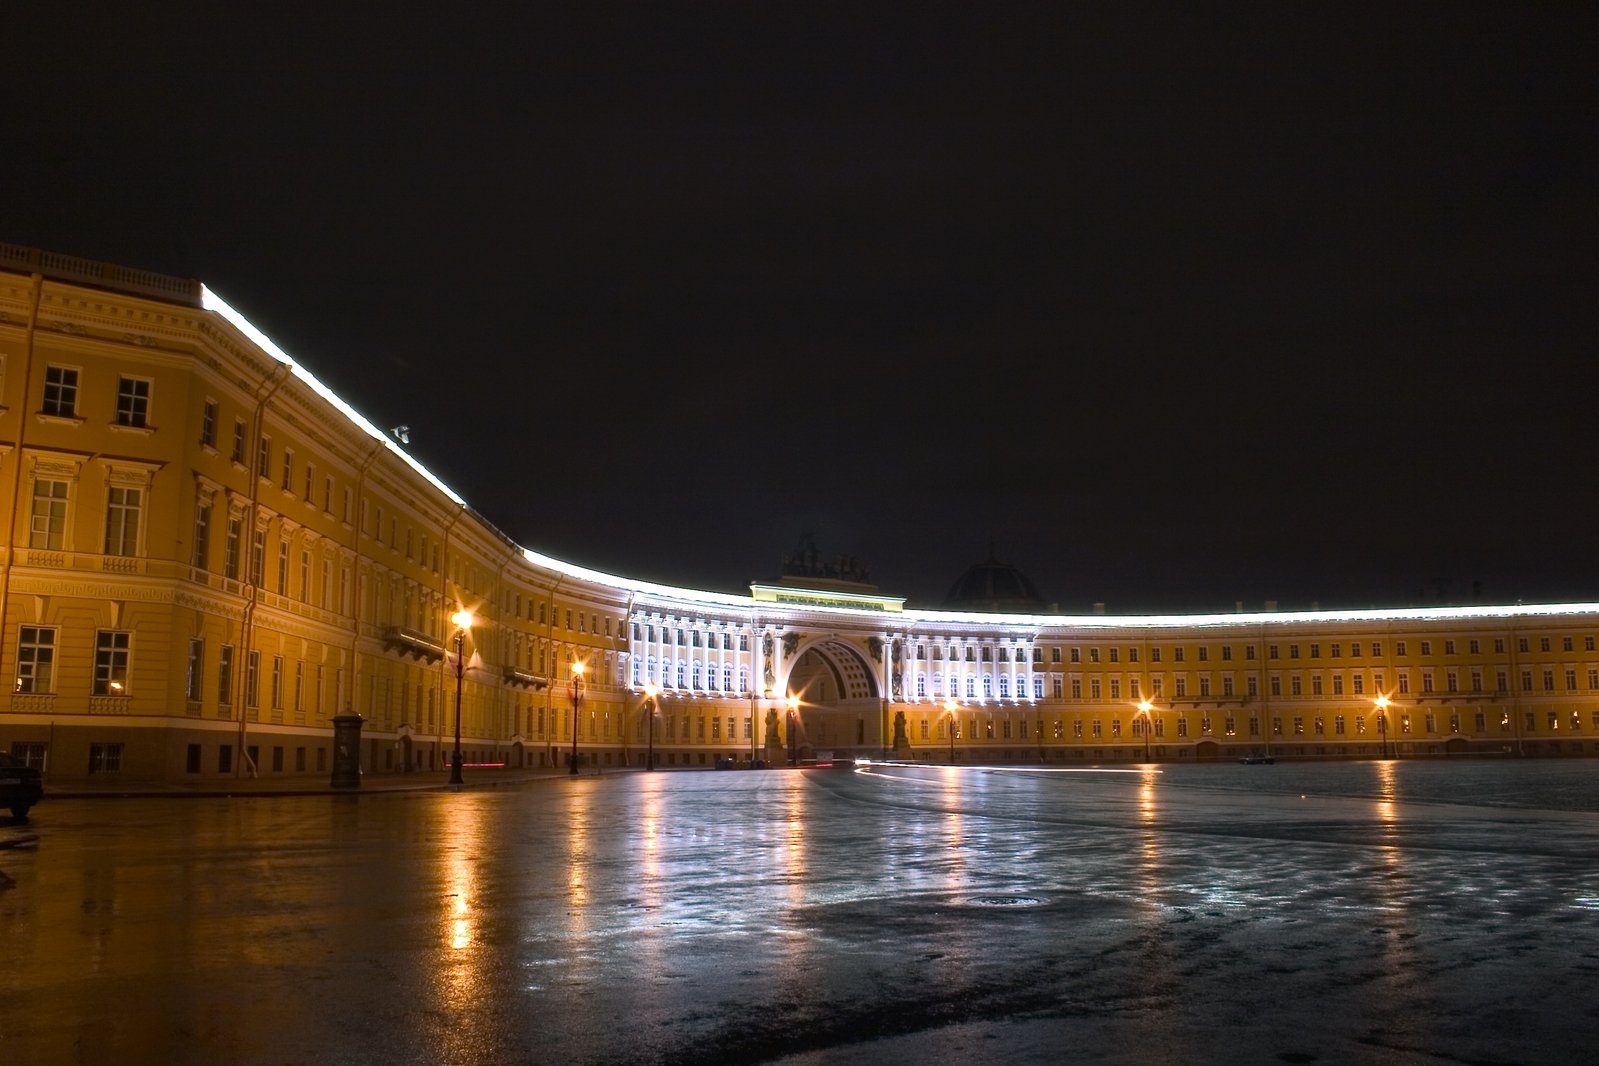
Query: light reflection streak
{"x": 462, "y": 970}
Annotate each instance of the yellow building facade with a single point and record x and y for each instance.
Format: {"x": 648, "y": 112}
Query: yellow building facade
{"x": 209, "y": 556}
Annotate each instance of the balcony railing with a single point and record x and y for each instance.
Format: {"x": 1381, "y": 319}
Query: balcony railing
{"x": 413, "y": 642}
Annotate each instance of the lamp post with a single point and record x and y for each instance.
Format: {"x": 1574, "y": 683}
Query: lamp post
{"x": 1144, "y": 707}
{"x": 463, "y": 622}
{"x": 793, "y": 702}
{"x": 650, "y": 692}
{"x": 950, "y": 707}
{"x": 577, "y": 701}
{"x": 1381, "y": 703}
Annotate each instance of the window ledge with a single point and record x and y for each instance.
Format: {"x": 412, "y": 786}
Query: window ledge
{"x": 59, "y": 420}
{"x": 121, "y": 427}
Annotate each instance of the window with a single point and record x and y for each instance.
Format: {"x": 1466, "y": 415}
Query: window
{"x": 263, "y": 458}
{"x": 310, "y": 485}
{"x": 277, "y": 682}
{"x": 61, "y": 391}
{"x": 105, "y": 758}
{"x": 225, "y": 676}
{"x": 287, "y": 483}
{"x": 111, "y": 649}
{"x": 48, "y": 527}
{"x": 133, "y": 402}
{"x": 238, "y": 441}
{"x": 252, "y": 680}
{"x": 230, "y": 550}
{"x": 257, "y": 557}
{"x": 202, "y": 535}
{"x": 36, "y": 656}
{"x": 191, "y": 678}
{"x": 122, "y": 520}
{"x": 208, "y": 424}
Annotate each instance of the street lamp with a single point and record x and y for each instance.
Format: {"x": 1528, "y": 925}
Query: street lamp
{"x": 650, "y": 692}
{"x": 793, "y": 702}
{"x": 577, "y": 701}
{"x": 1145, "y": 707}
{"x": 1381, "y": 703}
{"x": 463, "y": 622}
{"x": 950, "y": 707}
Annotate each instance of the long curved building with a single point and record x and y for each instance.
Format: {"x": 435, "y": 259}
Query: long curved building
{"x": 214, "y": 567}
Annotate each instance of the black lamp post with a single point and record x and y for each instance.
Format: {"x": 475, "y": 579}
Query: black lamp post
{"x": 463, "y": 622}
{"x": 1381, "y": 703}
{"x": 577, "y": 701}
{"x": 650, "y": 692}
{"x": 1145, "y": 706}
{"x": 793, "y": 729}
{"x": 950, "y": 707}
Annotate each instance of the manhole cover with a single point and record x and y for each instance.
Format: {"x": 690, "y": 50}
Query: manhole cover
{"x": 1004, "y": 901}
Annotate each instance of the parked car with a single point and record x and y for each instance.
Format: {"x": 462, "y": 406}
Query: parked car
{"x": 20, "y": 786}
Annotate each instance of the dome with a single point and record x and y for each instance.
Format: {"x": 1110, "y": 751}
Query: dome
{"x": 995, "y": 587}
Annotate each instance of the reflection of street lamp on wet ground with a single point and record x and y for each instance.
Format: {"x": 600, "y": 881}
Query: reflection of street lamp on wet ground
{"x": 463, "y": 622}
{"x": 950, "y": 707}
{"x": 577, "y": 701}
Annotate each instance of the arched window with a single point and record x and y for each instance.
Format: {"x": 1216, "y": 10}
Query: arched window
{"x": 921, "y": 684}
{"x": 681, "y": 671}
{"x": 1004, "y": 687}
{"x": 727, "y": 678}
{"x": 743, "y": 679}
{"x": 971, "y": 688}
{"x": 710, "y": 676}
{"x": 697, "y": 674}
{"x": 988, "y": 686}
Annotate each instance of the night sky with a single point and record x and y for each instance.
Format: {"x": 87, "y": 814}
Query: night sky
{"x": 1170, "y": 305}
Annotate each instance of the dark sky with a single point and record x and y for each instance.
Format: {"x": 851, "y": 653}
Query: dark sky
{"x": 1172, "y": 304}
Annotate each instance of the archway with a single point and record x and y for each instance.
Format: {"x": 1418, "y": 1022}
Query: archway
{"x": 1207, "y": 749}
{"x": 840, "y": 701}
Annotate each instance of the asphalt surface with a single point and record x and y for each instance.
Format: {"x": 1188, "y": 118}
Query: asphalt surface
{"x": 1332, "y": 913}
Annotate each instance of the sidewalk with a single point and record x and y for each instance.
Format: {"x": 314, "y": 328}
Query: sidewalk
{"x": 318, "y": 784}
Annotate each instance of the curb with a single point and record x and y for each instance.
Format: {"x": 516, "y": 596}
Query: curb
{"x": 315, "y": 790}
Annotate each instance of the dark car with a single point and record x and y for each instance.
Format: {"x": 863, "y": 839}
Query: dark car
{"x": 20, "y": 786}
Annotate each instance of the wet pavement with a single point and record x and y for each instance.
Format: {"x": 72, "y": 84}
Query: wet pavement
{"x": 1368, "y": 912}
